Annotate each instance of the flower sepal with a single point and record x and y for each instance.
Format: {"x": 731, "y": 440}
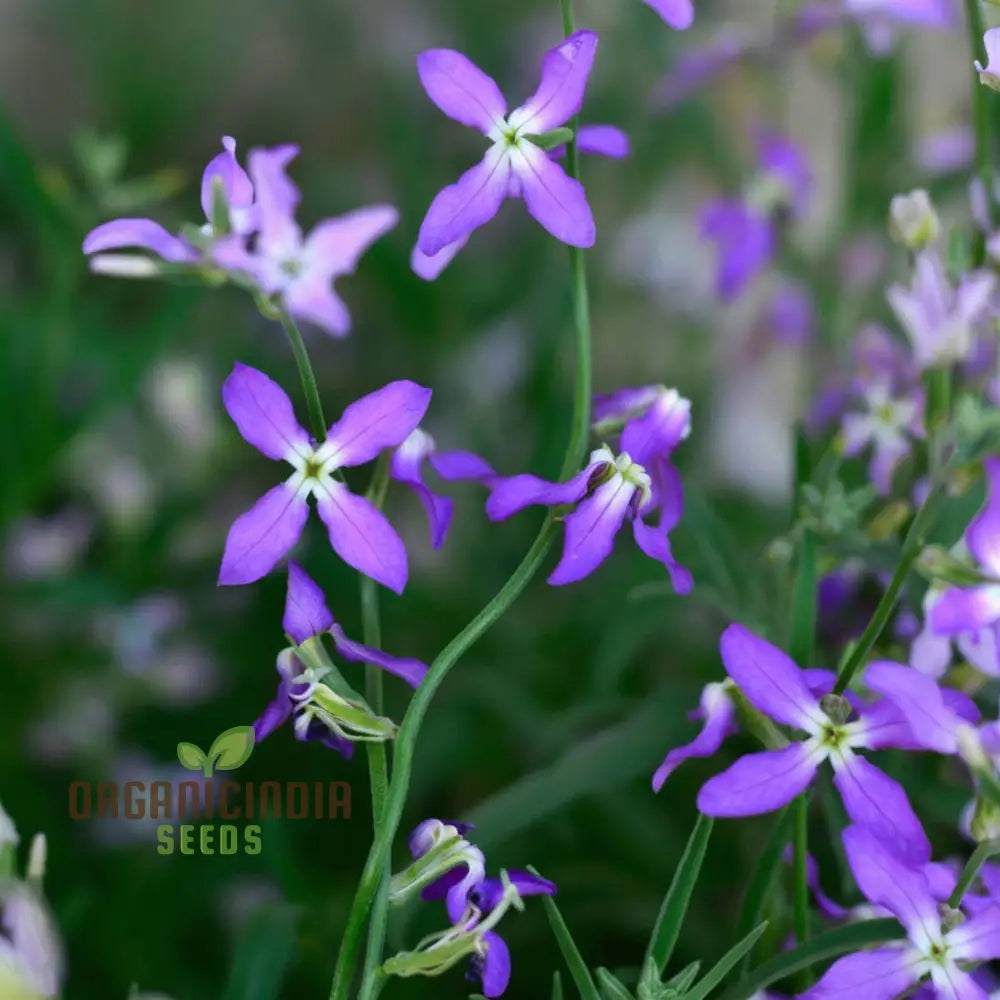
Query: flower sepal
{"x": 450, "y": 851}
{"x": 349, "y": 719}
{"x": 553, "y": 139}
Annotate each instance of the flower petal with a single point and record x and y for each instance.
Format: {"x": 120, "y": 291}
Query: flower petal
{"x": 591, "y": 530}
{"x": 263, "y": 413}
{"x": 879, "y": 804}
{"x": 277, "y": 198}
{"x": 887, "y": 881}
{"x": 461, "y": 89}
{"x": 236, "y": 185}
{"x": 965, "y": 610}
{"x": 306, "y": 613}
{"x": 495, "y": 971}
{"x": 978, "y": 939}
{"x": 759, "y": 782}
{"x": 452, "y": 465}
{"x": 678, "y": 14}
{"x": 718, "y": 712}
{"x": 277, "y": 713}
{"x": 920, "y": 700}
{"x": 382, "y": 419}
{"x": 259, "y": 538}
{"x": 335, "y": 246}
{"x": 143, "y": 233}
{"x": 565, "y": 70}
{"x": 769, "y": 679}
{"x": 879, "y": 974}
{"x": 554, "y": 199}
{"x": 312, "y": 300}
{"x": 467, "y": 204}
{"x": 602, "y": 140}
{"x": 412, "y": 671}
{"x": 745, "y": 240}
{"x": 953, "y": 984}
{"x": 655, "y": 543}
{"x": 362, "y": 536}
{"x": 657, "y": 432}
{"x": 983, "y": 534}
{"x": 510, "y": 494}
{"x": 430, "y": 268}
{"x": 405, "y": 468}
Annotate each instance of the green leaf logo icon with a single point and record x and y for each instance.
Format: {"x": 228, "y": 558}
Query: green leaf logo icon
{"x": 230, "y": 750}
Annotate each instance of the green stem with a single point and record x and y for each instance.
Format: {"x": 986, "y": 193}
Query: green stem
{"x": 799, "y": 849}
{"x": 912, "y": 546}
{"x": 986, "y": 850}
{"x": 309, "y": 387}
{"x": 980, "y": 105}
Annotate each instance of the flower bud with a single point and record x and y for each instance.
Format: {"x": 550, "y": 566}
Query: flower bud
{"x": 913, "y": 222}
{"x": 836, "y": 707}
{"x": 125, "y": 265}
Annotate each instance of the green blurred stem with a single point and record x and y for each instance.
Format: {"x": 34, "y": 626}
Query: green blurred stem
{"x": 980, "y": 104}
{"x": 309, "y": 387}
{"x": 799, "y": 853}
{"x": 986, "y": 850}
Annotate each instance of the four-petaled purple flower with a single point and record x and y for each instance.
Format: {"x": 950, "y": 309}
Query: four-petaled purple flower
{"x": 635, "y": 484}
{"x": 359, "y": 533}
{"x": 764, "y": 781}
{"x": 936, "y": 942}
{"x": 319, "y": 714}
{"x": 513, "y": 166}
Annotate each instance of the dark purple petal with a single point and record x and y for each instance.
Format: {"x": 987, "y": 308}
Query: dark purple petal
{"x": 382, "y": 419}
{"x": 978, "y": 939}
{"x": 655, "y": 543}
{"x": 453, "y": 465}
{"x": 467, "y": 204}
{"x": 263, "y": 535}
{"x": 718, "y": 711}
{"x": 770, "y": 680}
{"x": 236, "y": 184}
{"x": 591, "y": 530}
{"x": 659, "y": 430}
{"x": 509, "y": 495}
{"x": 362, "y": 537}
{"x": 759, "y": 782}
{"x": 263, "y": 413}
{"x": 494, "y": 966}
{"x": 887, "y": 881}
{"x": 745, "y": 241}
{"x": 879, "y": 804}
{"x": 678, "y": 14}
{"x": 461, "y": 89}
{"x": 983, "y": 534}
{"x": 145, "y": 233}
{"x": 276, "y": 714}
{"x": 961, "y": 610}
{"x": 565, "y": 70}
{"x": 785, "y": 162}
{"x": 412, "y": 671}
{"x": 879, "y": 974}
{"x": 555, "y": 200}
{"x": 318, "y": 732}
{"x": 405, "y": 468}
{"x": 306, "y": 613}
{"x": 920, "y": 700}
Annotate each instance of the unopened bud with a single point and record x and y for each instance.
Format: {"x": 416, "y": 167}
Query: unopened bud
{"x": 950, "y": 917}
{"x": 37, "y": 857}
{"x": 836, "y": 707}
{"x": 124, "y": 265}
{"x": 913, "y": 222}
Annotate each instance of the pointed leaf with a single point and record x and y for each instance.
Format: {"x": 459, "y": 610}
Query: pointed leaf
{"x": 675, "y": 903}
{"x": 190, "y": 756}
{"x": 263, "y": 951}
{"x": 232, "y": 748}
{"x": 611, "y": 987}
{"x": 574, "y": 960}
{"x": 557, "y": 990}
{"x": 681, "y": 983}
{"x": 718, "y": 972}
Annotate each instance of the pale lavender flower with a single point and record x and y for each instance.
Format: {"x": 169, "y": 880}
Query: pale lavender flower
{"x": 633, "y": 485}
{"x": 932, "y": 947}
{"x": 307, "y": 615}
{"x": 223, "y": 173}
{"x": 790, "y": 317}
{"x": 359, "y": 533}
{"x": 940, "y": 320}
{"x": 990, "y": 73}
{"x": 296, "y": 269}
{"x": 969, "y": 609}
{"x": 761, "y": 782}
{"x": 678, "y": 14}
{"x": 513, "y": 165}
{"x": 32, "y": 965}
{"x": 932, "y": 654}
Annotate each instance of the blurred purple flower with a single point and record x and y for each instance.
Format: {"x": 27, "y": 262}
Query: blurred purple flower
{"x": 31, "y": 955}
{"x": 989, "y": 75}
{"x": 359, "y": 533}
{"x": 678, "y": 14}
{"x": 513, "y": 165}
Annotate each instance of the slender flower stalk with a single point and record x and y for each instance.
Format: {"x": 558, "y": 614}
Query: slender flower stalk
{"x": 308, "y": 378}
{"x": 980, "y": 107}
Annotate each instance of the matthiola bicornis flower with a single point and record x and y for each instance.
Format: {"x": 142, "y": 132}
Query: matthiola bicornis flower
{"x": 601, "y": 140}
{"x": 964, "y": 609}
{"x": 931, "y": 653}
{"x": 990, "y": 73}
{"x": 761, "y": 782}
{"x": 295, "y": 269}
{"x": 359, "y": 533}
{"x": 936, "y": 941}
{"x": 634, "y": 484}
{"x": 941, "y": 320}
{"x": 513, "y": 165}
{"x": 745, "y": 229}
{"x": 328, "y": 713}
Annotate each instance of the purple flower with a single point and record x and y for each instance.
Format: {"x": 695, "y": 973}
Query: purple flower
{"x": 299, "y": 270}
{"x": 934, "y": 945}
{"x": 601, "y": 140}
{"x": 939, "y": 320}
{"x": 320, "y": 714}
{"x": 990, "y": 73}
{"x": 237, "y": 193}
{"x": 359, "y": 533}
{"x": 762, "y": 782}
{"x": 635, "y": 484}
{"x": 717, "y": 711}
{"x": 971, "y": 609}
{"x": 513, "y": 165}
{"x": 931, "y": 653}
{"x": 678, "y": 14}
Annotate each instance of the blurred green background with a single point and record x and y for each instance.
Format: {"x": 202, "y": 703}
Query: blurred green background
{"x": 121, "y": 471}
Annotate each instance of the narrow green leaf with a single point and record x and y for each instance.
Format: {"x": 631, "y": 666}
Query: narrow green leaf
{"x": 263, "y": 952}
{"x": 557, "y": 990}
{"x": 720, "y": 970}
{"x": 765, "y": 873}
{"x": 612, "y": 987}
{"x": 574, "y": 960}
{"x": 675, "y": 903}
{"x": 681, "y": 983}
{"x": 830, "y": 944}
{"x": 985, "y": 851}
